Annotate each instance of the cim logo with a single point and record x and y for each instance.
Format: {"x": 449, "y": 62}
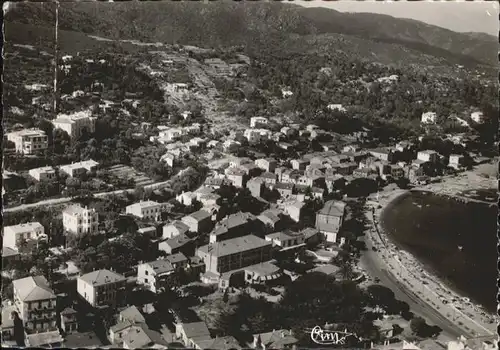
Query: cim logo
{"x": 327, "y": 337}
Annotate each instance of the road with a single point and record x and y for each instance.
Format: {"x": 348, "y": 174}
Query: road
{"x": 57, "y": 201}
{"x": 370, "y": 262}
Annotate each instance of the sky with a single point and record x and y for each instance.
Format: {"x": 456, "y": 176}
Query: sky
{"x": 457, "y": 15}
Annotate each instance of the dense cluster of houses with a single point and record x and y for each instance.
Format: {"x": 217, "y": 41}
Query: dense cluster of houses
{"x": 206, "y": 245}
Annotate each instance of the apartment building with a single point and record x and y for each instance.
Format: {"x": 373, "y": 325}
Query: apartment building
{"x": 43, "y": 174}
{"x": 233, "y": 254}
{"x": 28, "y": 141}
{"x": 101, "y": 288}
{"x": 79, "y": 168}
{"x": 75, "y": 124}
{"x": 79, "y": 220}
{"x": 330, "y": 218}
{"x": 36, "y": 303}
{"x": 148, "y": 210}
{"x": 28, "y": 231}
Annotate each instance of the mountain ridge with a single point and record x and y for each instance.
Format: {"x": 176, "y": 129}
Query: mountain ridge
{"x": 250, "y": 24}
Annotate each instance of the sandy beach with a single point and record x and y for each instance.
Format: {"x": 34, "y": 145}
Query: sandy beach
{"x": 472, "y": 319}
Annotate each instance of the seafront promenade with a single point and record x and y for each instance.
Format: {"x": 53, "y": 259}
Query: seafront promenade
{"x": 466, "y": 317}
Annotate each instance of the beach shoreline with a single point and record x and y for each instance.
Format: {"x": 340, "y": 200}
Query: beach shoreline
{"x": 417, "y": 276}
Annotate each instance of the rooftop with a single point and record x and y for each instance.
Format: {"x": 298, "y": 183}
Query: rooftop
{"x": 277, "y": 339}
{"x": 220, "y": 343}
{"x": 179, "y": 225}
{"x": 283, "y": 186}
{"x": 160, "y": 266}
{"x": 232, "y": 221}
{"x": 76, "y": 209}
{"x": 235, "y": 245}
{"x": 196, "y": 330}
{"x": 141, "y": 336}
{"x": 132, "y": 314}
{"x": 176, "y": 258}
{"x": 82, "y": 340}
{"x": 43, "y": 339}
{"x": 177, "y": 241}
{"x": 72, "y": 117}
{"x": 333, "y": 208}
{"x": 200, "y": 215}
{"x": 33, "y": 288}
{"x": 8, "y": 252}
{"x": 28, "y": 132}
{"x": 85, "y": 164}
{"x": 43, "y": 169}
{"x": 283, "y": 235}
{"x": 144, "y": 204}
{"x": 29, "y": 226}
{"x": 102, "y": 277}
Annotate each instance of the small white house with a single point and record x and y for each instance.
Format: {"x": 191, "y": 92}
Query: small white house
{"x": 428, "y": 118}
{"x": 477, "y": 117}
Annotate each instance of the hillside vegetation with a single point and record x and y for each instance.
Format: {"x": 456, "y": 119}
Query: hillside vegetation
{"x": 256, "y": 24}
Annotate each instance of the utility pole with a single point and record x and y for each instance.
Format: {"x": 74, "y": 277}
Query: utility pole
{"x": 56, "y": 57}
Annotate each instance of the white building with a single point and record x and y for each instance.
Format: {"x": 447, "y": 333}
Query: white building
{"x": 79, "y": 220}
{"x": 170, "y": 135}
{"x": 428, "y": 156}
{"x": 155, "y": 275}
{"x": 101, "y": 287}
{"x": 286, "y": 93}
{"x": 36, "y": 303}
{"x": 230, "y": 145}
{"x": 28, "y": 231}
{"x": 428, "y": 118}
{"x": 75, "y": 123}
{"x": 28, "y": 141}
{"x": 46, "y": 173}
{"x": 477, "y": 117}
{"x": 336, "y": 107}
{"x": 148, "y": 210}
{"x": 256, "y": 135}
{"x": 258, "y": 120}
{"x": 186, "y": 198}
{"x": 168, "y": 158}
{"x": 80, "y": 168}
{"x": 456, "y": 161}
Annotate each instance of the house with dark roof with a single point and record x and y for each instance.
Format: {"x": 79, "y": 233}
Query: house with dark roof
{"x": 277, "y": 339}
{"x": 140, "y": 336}
{"x": 385, "y": 154}
{"x": 219, "y": 343}
{"x": 178, "y": 244}
{"x": 285, "y": 189}
{"x": 271, "y": 218}
{"x": 174, "y": 228}
{"x": 101, "y": 288}
{"x": 235, "y": 225}
{"x": 199, "y": 221}
{"x": 286, "y": 239}
{"x": 192, "y": 333}
{"x": 268, "y": 178}
{"x": 131, "y": 314}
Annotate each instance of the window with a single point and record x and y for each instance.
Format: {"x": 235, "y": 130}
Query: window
{"x": 146, "y": 272}
{"x": 145, "y": 280}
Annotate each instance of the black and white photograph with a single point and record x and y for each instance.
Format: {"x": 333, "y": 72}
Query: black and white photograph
{"x": 260, "y": 175}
